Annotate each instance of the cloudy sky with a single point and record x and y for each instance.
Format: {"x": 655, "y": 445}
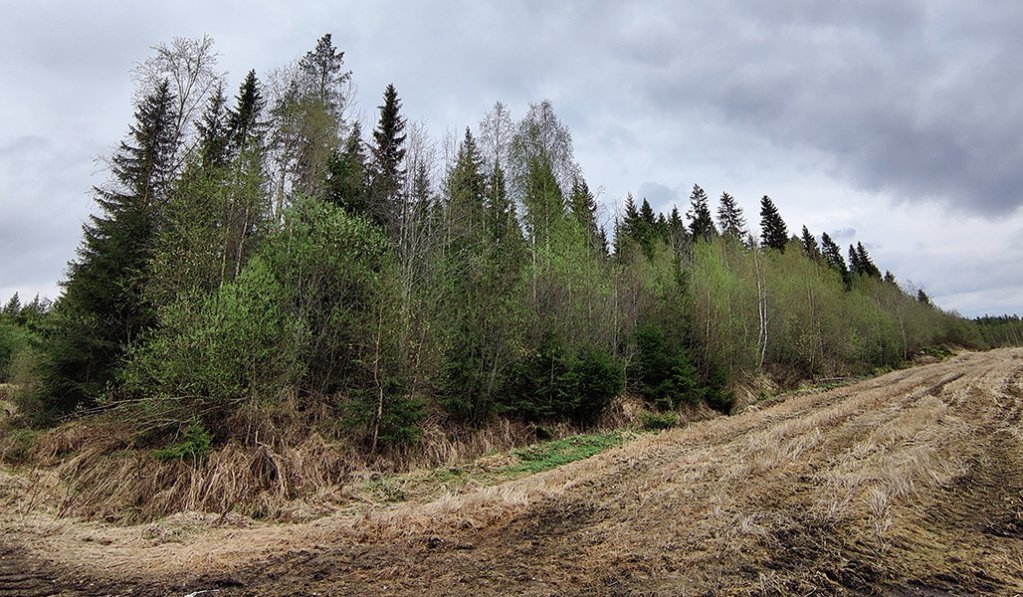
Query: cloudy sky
{"x": 895, "y": 123}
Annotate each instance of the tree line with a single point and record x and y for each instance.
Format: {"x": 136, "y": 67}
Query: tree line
{"x": 259, "y": 246}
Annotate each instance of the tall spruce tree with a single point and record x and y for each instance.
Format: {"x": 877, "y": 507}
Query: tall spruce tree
{"x": 324, "y": 77}
{"x": 388, "y": 175}
{"x": 854, "y": 261}
{"x": 861, "y": 263}
{"x": 213, "y": 131}
{"x": 730, "y": 218}
{"x": 701, "y": 225}
{"x": 467, "y": 194}
{"x": 244, "y": 119}
{"x": 773, "y": 232}
{"x": 347, "y": 176}
{"x": 104, "y": 306}
{"x": 810, "y": 248}
{"x": 583, "y": 206}
{"x": 832, "y": 255}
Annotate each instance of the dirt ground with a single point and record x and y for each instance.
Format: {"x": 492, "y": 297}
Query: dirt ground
{"x": 905, "y": 484}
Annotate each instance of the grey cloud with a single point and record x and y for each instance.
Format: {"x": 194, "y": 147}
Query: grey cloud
{"x": 843, "y": 234}
{"x": 874, "y": 86}
{"x": 661, "y": 197}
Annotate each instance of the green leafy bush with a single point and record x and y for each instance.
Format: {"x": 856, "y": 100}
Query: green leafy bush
{"x": 656, "y": 421}
{"x": 554, "y": 382}
{"x": 663, "y": 373}
{"x": 195, "y": 444}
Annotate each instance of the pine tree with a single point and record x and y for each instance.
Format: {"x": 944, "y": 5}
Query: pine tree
{"x": 213, "y": 131}
{"x": 810, "y": 248}
{"x": 244, "y": 119}
{"x": 347, "y": 178}
{"x": 323, "y": 76}
{"x": 502, "y": 220}
{"x": 466, "y": 193}
{"x": 865, "y": 265}
{"x": 730, "y": 218}
{"x": 773, "y": 232}
{"x": 701, "y": 225}
{"x": 855, "y": 266}
{"x": 583, "y": 206}
{"x": 629, "y": 228}
{"x": 388, "y": 176}
{"x": 832, "y": 255}
{"x": 104, "y": 308}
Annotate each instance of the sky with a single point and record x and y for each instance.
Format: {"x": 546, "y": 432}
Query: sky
{"x": 894, "y": 123}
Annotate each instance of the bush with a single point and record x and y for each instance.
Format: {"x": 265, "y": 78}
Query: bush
{"x": 212, "y": 354}
{"x": 307, "y": 312}
{"x": 663, "y": 373}
{"x": 554, "y": 382}
{"x": 195, "y": 444}
{"x": 657, "y": 421}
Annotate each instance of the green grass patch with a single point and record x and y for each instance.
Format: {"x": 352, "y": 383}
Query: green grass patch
{"x": 552, "y": 454}
{"x": 427, "y": 484}
{"x": 18, "y": 446}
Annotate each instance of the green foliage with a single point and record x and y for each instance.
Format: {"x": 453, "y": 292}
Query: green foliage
{"x": 663, "y": 371}
{"x": 195, "y": 444}
{"x": 555, "y": 382}
{"x": 548, "y": 455}
{"x": 14, "y": 341}
{"x": 17, "y": 445}
{"x": 651, "y": 421}
{"x": 1006, "y": 330}
{"x": 301, "y": 315}
{"x": 773, "y": 232}
{"x": 104, "y": 309}
{"x": 211, "y": 354}
{"x": 701, "y": 226}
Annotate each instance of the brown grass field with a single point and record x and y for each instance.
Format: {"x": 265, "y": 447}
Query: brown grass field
{"x": 906, "y": 484}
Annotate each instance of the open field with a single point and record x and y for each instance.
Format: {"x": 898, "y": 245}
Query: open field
{"x": 907, "y": 484}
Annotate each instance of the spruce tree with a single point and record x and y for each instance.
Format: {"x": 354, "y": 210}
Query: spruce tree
{"x": 104, "y": 308}
{"x": 501, "y": 218}
{"x": 629, "y": 229}
{"x": 323, "y": 75}
{"x": 544, "y": 203}
{"x": 773, "y": 232}
{"x": 730, "y": 218}
{"x": 347, "y": 177}
{"x": 865, "y": 265}
{"x": 244, "y": 119}
{"x": 388, "y": 176}
{"x": 832, "y": 255}
{"x": 678, "y": 235}
{"x": 213, "y": 131}
{"x": 583, "y": 206}
{"x": 855, "y": 267}
{"x": 466, "y": 192}
{"x": 810, "y": 248}
{"x": 701, "y": 225}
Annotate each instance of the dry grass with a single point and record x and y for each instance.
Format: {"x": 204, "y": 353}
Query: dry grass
{"x": 913, "y": 479}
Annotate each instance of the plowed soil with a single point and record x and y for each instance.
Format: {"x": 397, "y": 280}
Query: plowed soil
{"x": 909, "y": 484}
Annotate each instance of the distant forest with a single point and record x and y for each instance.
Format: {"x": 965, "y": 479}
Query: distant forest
{"x": 259, "y": 246}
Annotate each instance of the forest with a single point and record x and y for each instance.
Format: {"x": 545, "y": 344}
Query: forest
{"x": 258, "y": 262}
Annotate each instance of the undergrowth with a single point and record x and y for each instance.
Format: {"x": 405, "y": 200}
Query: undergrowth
{"x": 552, "y": 454}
